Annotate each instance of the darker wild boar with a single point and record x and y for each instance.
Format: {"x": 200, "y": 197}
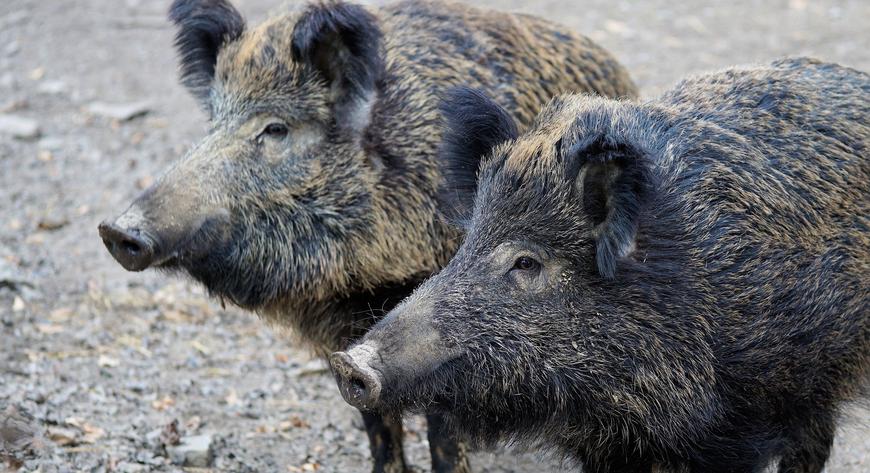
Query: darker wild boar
{"x": 312, "y": 200}
{"x": 681, "y": 285}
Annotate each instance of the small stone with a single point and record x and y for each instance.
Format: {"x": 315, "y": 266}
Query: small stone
{"x": 7, "y": 81}
{"x": 11, "y": 277}
{"x": 119, "y": 111}
{"x": 193, "y": 451}
{"x": 128, "y": 467}
{"x": 51, "y": 143}
{"x": 144, "y": 182}
{"x": 14, "y": 105}
{"x": 153, "y": 438}
{"x": 19, "y": 127}
{"x": 18, "y": 429}
{"x": 51, "y": 87}
{"x": 12, "y": 48}
{"x": 37, "y": 74}
{"x": 18, "y": 304}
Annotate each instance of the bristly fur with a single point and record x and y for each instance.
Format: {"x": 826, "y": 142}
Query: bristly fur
{"x": 726, "y": 339}
{"x": 203, "y": 27}
{"x": 473, "y": 125}
{"x": 325, "y": 225}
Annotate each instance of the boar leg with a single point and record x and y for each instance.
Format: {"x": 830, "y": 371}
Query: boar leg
{"x": 448, "y": 455}
{"x": 810, "y": 448}
{"x": 385, "y": 441}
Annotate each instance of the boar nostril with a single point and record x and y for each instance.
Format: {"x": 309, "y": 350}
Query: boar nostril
{"x": 360, "y": 385}
{"x": 129, "y": 247}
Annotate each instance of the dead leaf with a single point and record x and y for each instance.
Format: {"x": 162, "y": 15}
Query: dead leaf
{"x": 176, "y": 316}
{"x": 37, "y": 73}
{"x": 200, "y": 347}
{"x": 163, "y": 404}
{"x": 137, "y": 138}
{"x": 49, "y": 329}
{"x": 63, "y": 436}
{"x": 105, "y": 361}
{"x": 52, "y": 223}
{"x": 61, "y": 314}
{"x": 144, "y": 182}
{"x": 231, "y": 398}
{"x": 293, "y": 422}
{"x": 91, "y": 432}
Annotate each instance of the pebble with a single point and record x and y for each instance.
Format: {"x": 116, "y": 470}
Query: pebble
{"x": 13, "y": 48}
{"x": 128, "y": 467}
{"x": 13, "y": 278}
{"x": 194, "y": 451}
{"x": 51, "y": 143}
{"x": 19, "y": 127}
{"x": 51, "y": 87}
{"x": 7, "y": 81}
{"x": 119, "y": 111}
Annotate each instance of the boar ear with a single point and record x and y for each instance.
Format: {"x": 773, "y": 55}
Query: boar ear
{"x": 203, "y": 28}
{"x": 343, "y": 43}
{"x": 614, "y": 182}
{"x": 474, "y": 125}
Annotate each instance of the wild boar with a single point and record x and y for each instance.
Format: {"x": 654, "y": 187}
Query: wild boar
{"x": 680, "y": 285}
{"x": 312, "y": 200}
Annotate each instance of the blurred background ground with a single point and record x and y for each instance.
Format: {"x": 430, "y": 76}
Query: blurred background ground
{"x": 115, "y": 365}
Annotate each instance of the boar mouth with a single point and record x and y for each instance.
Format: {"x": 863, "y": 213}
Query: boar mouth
{"x": 137, "y": 246}
{"x": 209, "y": 235}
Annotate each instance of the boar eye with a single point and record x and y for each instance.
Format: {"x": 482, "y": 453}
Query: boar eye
{"x": 275, "y": 130}
{"x": 526, "y": 263}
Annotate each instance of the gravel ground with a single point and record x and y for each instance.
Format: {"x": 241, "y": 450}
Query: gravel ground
{"x": 112, "y": 366}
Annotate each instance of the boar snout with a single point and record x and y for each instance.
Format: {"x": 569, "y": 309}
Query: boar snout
{"x": 403, "y": 350}
{"x": 128, "y": 241}
{"x": 359, "y": 383}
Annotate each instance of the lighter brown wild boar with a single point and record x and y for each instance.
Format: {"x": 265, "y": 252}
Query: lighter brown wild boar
{"x": 312, "y": 199}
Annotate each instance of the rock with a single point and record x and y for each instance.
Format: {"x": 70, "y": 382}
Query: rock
{"x": 119, "y": 111}
{"x": 64, "y": 436}
{"x": 7, "y": 81}
{"x": 19, "y": 127}
{"x": 128, "y": 467}
{"x": 12, "y": 278}
{"x": 12, "y": 48}
{"x": 18, "y": 431}
{"x": 51, "y": 143}
{"x": 193, "y": 451}
{"x": 51, "y": 87}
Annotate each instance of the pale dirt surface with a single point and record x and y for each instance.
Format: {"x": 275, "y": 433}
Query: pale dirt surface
{"x": 106, "y": 360}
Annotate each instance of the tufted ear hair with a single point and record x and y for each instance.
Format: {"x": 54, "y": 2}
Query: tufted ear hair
{"x": 474, "y": 125}
{"x": 343, "y": 43}
{"x": 204, "y": 26}
{"x": 614, "y": 180}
